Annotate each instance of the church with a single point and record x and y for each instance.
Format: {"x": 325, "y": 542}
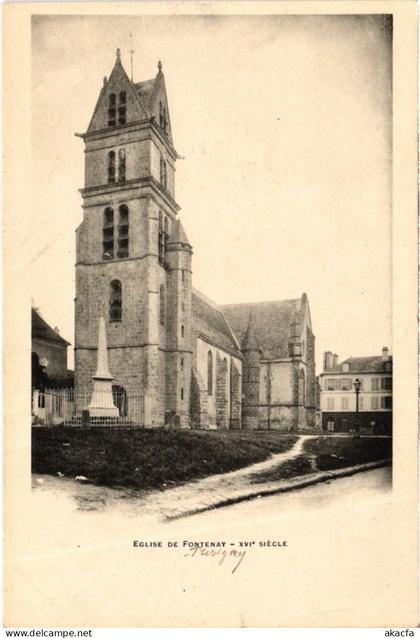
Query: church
{"x": 197, "y": 364}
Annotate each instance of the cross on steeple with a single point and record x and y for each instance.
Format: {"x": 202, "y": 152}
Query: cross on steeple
{"x": 132, "y": 52}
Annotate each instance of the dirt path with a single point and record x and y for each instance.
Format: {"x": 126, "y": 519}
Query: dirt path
{"x": 208, "y": 492}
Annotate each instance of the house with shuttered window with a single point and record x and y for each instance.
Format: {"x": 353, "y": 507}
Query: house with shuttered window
{"x": 339, "y": 409}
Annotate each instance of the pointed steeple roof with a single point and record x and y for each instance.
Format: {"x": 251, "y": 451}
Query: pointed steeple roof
{"x": 152, "y": 94}
{"x": 118, "y": 82}
{"x": 250, "y": 341}
{"x": 178, "y": 235}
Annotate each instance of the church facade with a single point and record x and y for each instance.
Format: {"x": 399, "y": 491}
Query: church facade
{"x": 197, "y": 364}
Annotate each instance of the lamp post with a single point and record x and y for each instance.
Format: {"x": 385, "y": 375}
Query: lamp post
{"x": 357, "y": 385}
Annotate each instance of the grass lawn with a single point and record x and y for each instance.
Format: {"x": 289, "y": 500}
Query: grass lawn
{"x": 329, "y": 453}
{"x": 142, "y": 459}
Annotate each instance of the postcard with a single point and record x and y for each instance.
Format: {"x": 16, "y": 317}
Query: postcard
{"x": 210, "y": 289}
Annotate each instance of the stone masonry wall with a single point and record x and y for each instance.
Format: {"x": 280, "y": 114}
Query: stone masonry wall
{"x": 222, "y": 415}
{"x": 236, "y": 397}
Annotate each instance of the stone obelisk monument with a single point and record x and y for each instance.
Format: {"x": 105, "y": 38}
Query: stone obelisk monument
{"x": 102, "y": 403}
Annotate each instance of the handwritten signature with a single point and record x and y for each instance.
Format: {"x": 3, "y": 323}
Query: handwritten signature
{"x": 220, "y": 554}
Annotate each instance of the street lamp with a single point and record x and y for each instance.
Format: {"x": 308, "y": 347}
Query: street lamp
{"x": 357, "y": 385}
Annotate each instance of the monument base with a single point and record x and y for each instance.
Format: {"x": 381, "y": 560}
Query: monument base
{"x": 102, "y": 402}
{"x": 103, "y": 412}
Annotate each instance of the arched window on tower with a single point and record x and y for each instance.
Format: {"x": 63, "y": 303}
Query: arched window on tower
{"x": 165, "y": 120}
{"x": 111, "y": 167}
{"x": 162, "y": 305}
{"x": 161, "y": 240}
{"x": 115, "y": 301}
{"x": 123, "y": 231}
{"x": 209, "y": 373}
{"x": 165, "y": 238}
{"x": 112, "y": 110}
{"x": 121, "y": 165}
{"x": 108, "y": 234}
{"x": 122, "y": 108}
{"x": 163, "y": 174}
{"x": 162, "y": 162}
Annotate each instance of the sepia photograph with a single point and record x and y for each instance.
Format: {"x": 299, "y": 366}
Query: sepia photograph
{"x": 169, "y": 385}
{"x": 211, "y": 278}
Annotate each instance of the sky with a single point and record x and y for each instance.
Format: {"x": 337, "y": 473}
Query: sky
{"x": 285, "y": 127}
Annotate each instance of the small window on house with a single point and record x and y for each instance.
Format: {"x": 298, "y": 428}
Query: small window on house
{"x": 331, "y": 384}
{"x": 344, "y": 403}
{"x": 108, "y": 234}
{"x": 386, "y": 403}
{"x": 209, "y": 373}
{"x": 112, "y": 110}
{"x": 121, "y": 165}
{"x": 122, "y": 108}
{"x": 386, "y": 383}
{"x": 346, "y": 367}
{"x": 123, "y": 231}
{"x": 345, "y": 384}
{"x": 375, "y": 403}
{"x": 161, "y": 240}
{"x": 115, "y": 301}
{"x": 330, "y": 403}
{"x": 360, "y": 403}
{"x": 111, "y": 167}
{"x": 388, "y": 366}
{"x": 162, "y": 305}
{"x": 375, "y": 384}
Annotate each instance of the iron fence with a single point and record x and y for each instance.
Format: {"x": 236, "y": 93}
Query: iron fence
{"x": 71, "y": 406}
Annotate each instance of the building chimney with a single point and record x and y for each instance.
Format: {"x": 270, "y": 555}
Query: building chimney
{"x": 335, "y": 360}
{"x": 385, "y": 354}
{"x": 328, "y": 360}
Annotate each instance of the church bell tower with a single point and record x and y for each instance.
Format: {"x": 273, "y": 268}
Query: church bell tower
{"x": 133, "y": 259}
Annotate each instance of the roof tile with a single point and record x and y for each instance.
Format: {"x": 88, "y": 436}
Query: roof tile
{"x": 41, "y": 330}
{"x": 271, "y": 321}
